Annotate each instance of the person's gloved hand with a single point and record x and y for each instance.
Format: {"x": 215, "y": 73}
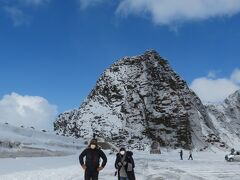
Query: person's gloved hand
{"x": 124, "y": 163}
{"x": 84, "y": 167}
{"x": 99, "y": 168}
{"x": 119, "y": 164}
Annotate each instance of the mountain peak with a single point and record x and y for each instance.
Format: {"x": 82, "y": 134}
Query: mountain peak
{"x": 233, "y": 98}
{"x": 137, "y": 101}
{"x": 151, "y": 52}
{"x": 149, "y": 55}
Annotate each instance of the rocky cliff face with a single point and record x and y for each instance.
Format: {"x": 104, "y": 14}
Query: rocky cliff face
{"x": 139, "y": 100}
{"x": 226, "y": 118}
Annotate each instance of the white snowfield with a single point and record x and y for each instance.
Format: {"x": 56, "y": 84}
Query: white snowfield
{"x": 27, "y": 142}
{"x": 28, "y": 150}
{"x": 167, "y": 166}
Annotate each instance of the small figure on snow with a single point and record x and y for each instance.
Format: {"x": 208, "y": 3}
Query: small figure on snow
{"x": 232, "y": 151}
{"x": 125, "y": 165}
{"x": 190, "y": 155}
{"x": 91, "y": 165}
{"x": 181, "y": 154}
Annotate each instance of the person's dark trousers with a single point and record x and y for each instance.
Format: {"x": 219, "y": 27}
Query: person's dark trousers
{"x": 124, "y": 178}
{"x": 181, "y": 157}
{"x": 91, "y": 175}
{"x": 190, "y": 157}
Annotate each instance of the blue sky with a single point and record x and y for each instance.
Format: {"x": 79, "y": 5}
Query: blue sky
{"x": 57, "y": 49}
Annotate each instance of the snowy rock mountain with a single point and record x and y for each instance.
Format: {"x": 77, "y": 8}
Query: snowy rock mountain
{"x": 226, "y": 118}
{"x": 139, "y": 100}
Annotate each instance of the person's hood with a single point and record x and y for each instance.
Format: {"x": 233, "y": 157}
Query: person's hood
{"x": 93, "y": 141}
{"x": 128, "y": 153}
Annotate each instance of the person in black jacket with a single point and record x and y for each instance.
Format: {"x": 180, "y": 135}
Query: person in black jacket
{"x": 181, "y": 154}
{"x": 125, "y": 165}
{"x": 91, "y": 165}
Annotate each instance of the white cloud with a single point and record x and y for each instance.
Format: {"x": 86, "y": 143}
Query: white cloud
{"x": 216, "y": 90}
{"x": 235, "y": 77}
{"x": 33, "y": 2}
{"x": 27, "y": 111}
{"x": 24, "y": 2}
{"x": 16, "y": 15}
{"x": 15, "y": 9}
{"x": 87, "y": 3}
{"x": 168, "y": 12}
{"x": 212, "y": 74}
{"x": 162, "y": 12}
{"x": 174, "y": 11}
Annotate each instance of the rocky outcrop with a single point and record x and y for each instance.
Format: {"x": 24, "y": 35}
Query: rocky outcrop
{"x": 226, "y": 118}
{"x": 139, "y": 100}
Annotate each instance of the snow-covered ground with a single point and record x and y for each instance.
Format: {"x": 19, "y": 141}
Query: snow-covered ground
{"x": 27, "y": 142}
{"x": 28, "y": 147}
{"x": 206, "y": 165}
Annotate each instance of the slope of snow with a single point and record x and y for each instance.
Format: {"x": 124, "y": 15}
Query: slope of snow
{"x": 15, "y": 142}
{"x": 226, "y": 119}
{"x": 205, "y": 166}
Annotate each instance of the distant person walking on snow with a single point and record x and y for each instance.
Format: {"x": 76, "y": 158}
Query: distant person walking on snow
{"x": 190, "y": 155}
{"x": 92, "y": 156}
{"x": 181, "y": 154}
{"x": 125, "y": 165}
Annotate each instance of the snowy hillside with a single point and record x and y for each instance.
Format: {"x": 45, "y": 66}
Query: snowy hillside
{"x": 27, "y": 142}
{"x": 139, "y": 100}
{"x": 226, "y": 118}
